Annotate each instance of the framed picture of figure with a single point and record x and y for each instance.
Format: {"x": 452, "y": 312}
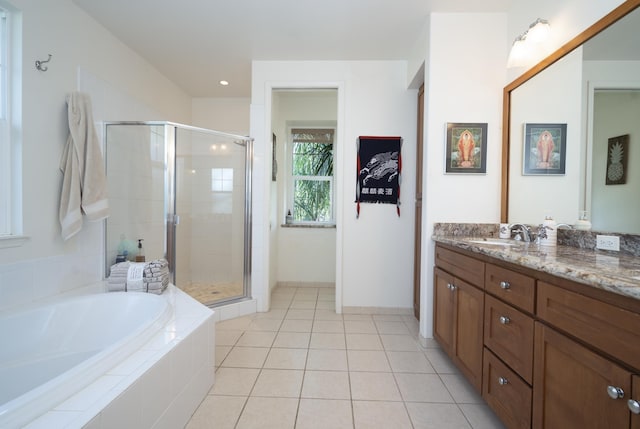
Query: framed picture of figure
{"x": 466, "y": 149}
{"x": 545, "y": 148}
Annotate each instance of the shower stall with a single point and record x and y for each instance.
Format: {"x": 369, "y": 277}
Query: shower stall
{"x": 186, "y": 193}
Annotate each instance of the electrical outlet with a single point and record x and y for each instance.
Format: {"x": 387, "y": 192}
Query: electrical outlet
{"x": 608, "y": 242}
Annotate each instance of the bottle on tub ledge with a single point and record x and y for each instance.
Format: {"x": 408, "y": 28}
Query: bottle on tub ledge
{"x": 550, "y": 227}
{"x": 140, "y": 255}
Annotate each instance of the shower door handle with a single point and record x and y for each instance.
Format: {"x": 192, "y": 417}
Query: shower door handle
{"x": 176, "y": 219}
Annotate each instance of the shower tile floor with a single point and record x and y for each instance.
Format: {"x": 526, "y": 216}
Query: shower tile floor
{"x": 208, "y": 293}
{"x": 301, "y": 365}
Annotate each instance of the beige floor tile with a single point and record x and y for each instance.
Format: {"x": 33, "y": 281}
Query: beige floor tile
{"x": 422, "y": 388}
{"x": 268, "y": 413}
{"x": 296, "y": 325}
{"x": 303, "y": 305}
{"x": 246, "y": 357}
{"x": 280, "y": 358}
{"x": 481, "y": 416}
{"x": 301, "y": 314}
{"x": 221, "y": 354}
{"x": 399, "y": 343}
{"x": 234, "y": 381}
{"x": 415, "y": 362}
{"x": 239, "y": 323}
{"x": 440, "y": 361}
{"x": 327, "y": 314}
{"x": 360, "y": 327}
{"x": 387, "y": 318}
{"x": 227, "y": 338}
{"x": 324, "y": 414}
{"x": 221, "y": 412}
{"x": 282, "y": 383}
{"x": 357, "y": 317}
{"x": 265, "y": 325}
{"x": 436, "y": 416}
{"x": 327, "y": 360}
{"x": 380, "y": 415}
{"x": 368, "y": 360}
{"x": 271, "y": 314}
{"x": 461, "y": 390}
{"x": 256, "y": 339}
{"x": 326, "y": 305}
{"x": 321, "y": 340}
{"x": 326, "y": 385}
{"x": 385, "y": 327}
{"x": 328, "y": 326}
{"x": 292, "y": 340}
{"x": 373, "y": 386}
{"x": 364, "y": 342}
{"x": 280, "y": 304}
{"x": 327, "y": 295}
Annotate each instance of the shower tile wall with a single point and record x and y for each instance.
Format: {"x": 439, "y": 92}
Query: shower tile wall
{"x": 136, "y": 180}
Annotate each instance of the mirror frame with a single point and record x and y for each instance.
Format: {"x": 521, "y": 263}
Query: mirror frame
{"x": 609, "y": 19}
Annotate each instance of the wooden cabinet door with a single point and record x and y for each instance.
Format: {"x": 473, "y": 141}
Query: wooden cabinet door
{"x": 570, "y": 385}
{"x": 443, "y": 298}
{"x": 469, "y": 325}
{"x": 635, "y": 396}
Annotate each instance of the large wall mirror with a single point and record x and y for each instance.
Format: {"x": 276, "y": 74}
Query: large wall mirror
{"x": 587, "y": 94}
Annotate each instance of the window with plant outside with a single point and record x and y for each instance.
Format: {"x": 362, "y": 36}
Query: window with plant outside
{"x": 312, "y": 175}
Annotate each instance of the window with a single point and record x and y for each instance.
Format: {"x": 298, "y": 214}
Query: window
{"x": 222, "y": 179}
{"x": 312, "y": 175}
{"x": 10, "y": 137}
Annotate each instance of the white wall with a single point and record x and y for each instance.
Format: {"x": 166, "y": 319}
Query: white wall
{"x": 317, "y": 263}
{"x": 229, "y": 115}
{"x": 45, "y": 264}
{"x": 554, "y": 96}
{"x": 374, "y": 254}
{"x": 465, "y": 75}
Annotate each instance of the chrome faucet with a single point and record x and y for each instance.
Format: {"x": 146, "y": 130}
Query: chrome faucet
{"x": 524, "y": 231}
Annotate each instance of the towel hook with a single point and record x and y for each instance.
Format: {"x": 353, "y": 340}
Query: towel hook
{"x": 39, "y": 64}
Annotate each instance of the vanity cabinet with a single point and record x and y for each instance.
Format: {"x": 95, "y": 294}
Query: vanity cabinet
{"x": 459, "y": 310}
{"x": 552, "y": 353}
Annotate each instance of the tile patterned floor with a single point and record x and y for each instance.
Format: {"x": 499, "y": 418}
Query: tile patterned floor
{"x": 210, "y": 293}
{"x": 301, "y": 366}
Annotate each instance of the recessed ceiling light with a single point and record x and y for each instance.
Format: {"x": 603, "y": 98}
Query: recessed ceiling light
{"x": 224, "y": 83}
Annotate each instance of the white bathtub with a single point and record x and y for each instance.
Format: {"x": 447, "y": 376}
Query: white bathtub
{"x": 50, "y": 352}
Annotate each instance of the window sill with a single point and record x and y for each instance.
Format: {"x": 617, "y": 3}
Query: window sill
{"x": 8, "y": 241}
{"x": 308, "y": 225}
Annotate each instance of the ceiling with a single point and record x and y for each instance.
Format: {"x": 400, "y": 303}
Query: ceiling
{"x": 197, "y": 43}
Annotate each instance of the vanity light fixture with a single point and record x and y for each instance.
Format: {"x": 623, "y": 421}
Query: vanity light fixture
{"x": 527, "y": 45}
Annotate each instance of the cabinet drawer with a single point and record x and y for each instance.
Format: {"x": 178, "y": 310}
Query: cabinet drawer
{"x": 506, "y": 393}
{"x": 512, "y": 287}
{"x": 611, "y": 329}
{"x": 509, "y": 334}
{"x": 464, "y": 267}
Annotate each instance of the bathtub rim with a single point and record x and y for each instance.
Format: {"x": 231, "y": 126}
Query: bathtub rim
{"x": 32, "y": 404}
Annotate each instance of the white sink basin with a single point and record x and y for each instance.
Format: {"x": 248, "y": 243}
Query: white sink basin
{"x": 492, "y": 242}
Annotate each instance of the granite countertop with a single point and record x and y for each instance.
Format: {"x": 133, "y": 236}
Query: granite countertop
{"x": 611, "y": 271}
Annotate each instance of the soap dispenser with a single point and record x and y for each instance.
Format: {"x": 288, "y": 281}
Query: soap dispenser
{"x": 140, "y": 255}
{"x": 551, "y": 230}
{"x": 583, "y": 223}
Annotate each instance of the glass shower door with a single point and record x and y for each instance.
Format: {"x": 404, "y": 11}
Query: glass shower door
{"x": 211, "y": 204}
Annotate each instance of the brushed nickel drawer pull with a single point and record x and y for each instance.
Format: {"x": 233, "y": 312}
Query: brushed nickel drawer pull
{"x": 505, "y": 285}
{"x": 615, "y": 392}
{"x": 634, "y": 406}
{"x": 502, "y": 381}
{"x": 504, "y": 320}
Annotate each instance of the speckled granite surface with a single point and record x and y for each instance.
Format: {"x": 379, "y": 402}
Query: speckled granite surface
{"x": 615, "y": 272}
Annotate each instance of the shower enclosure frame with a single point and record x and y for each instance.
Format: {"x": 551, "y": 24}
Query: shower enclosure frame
{"x": 173, "y": 218}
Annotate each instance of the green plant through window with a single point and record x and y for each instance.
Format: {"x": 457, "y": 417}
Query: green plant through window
{"x": 312, "y": 173}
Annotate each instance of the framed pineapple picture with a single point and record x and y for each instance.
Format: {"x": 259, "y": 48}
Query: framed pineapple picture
{"x": 545, "y": 148}
{"x": 617, "y": 156}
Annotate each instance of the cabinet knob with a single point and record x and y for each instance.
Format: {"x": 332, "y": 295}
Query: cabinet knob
{"x": 634, "y": 406}
{"x": 615, "y": 392}
{"x": 505, "y": 285}
{"x": 451, "y": 287}
{"x": 502, "y": 381}
{"x": 504, "y": 320}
